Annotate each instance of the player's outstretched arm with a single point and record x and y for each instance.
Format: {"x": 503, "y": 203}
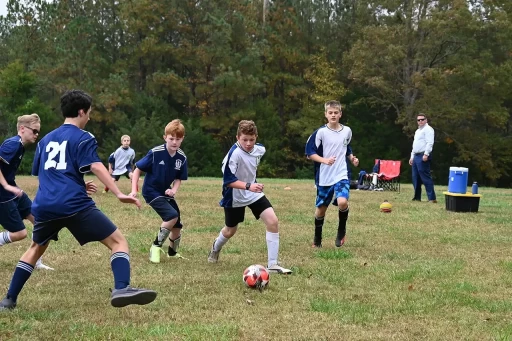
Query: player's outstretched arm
{"x": 135, "y": 181}
{"x": 13, "y": 189}
{"x": 102, "y": 173}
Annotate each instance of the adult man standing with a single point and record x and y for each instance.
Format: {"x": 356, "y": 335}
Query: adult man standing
{"x": 421, "y": 159}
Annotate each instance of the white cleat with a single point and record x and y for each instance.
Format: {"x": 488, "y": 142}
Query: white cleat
{"x": 276, "y": 268}
{"x": 41, "y": 266}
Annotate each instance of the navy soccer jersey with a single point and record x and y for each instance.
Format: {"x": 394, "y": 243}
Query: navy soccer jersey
{"x": 240, "y": 165}
{"x": 326, "y": 142}
{"x": 62, "y": 157}
{"x": 161, "y": 170}
{"x": 11, "y": 153}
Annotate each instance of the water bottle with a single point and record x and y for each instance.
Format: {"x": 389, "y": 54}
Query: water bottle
{"x": 474, "y": 188}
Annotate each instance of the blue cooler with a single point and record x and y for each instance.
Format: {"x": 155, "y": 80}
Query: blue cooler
{"x": 458, "y": 180}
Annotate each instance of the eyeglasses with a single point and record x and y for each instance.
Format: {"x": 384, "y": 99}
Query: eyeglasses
{"x": 34, "y": 131}
{"x": 421, "y": 119}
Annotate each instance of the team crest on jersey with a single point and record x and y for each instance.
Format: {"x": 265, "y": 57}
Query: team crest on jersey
{"x": 178, "y": 164}
{"x": 346, "y": 142}
{"x": 258, "y": 159}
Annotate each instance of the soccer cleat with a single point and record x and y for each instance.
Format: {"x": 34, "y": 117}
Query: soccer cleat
{"x": 339, "y": 242}
{"x": 154, "y": 253}
{"x": 213, "y": 256}
{"x": 317, "y": 246}
{"x": 7, "y": 304}
{"x": 41, "y": 266}
{"x": 317, "y": 242}
{"x": 126, "y": 296}
{"x": 276, "y": 268}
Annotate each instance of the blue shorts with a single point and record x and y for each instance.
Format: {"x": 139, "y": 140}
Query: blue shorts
{"x": 324, "y": 194}
{"x": 89, "y": 225}
{"x": 13, "y": 212}
{"x": 167, "y": 209}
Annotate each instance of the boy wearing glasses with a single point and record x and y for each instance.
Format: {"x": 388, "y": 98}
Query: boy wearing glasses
{"x": 62, "y": 158}
{"x": 421, "y": 159}
{"x": 15, "y": 204}
{"x": 329, "y": 148}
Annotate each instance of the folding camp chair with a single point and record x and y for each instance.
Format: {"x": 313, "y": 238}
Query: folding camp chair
{"x": 389, "y": 175}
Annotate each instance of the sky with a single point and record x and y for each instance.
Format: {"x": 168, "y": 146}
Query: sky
{"x": 3, "y": 10}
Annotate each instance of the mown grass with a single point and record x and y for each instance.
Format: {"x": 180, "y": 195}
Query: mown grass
{"x": 418, "y": 273}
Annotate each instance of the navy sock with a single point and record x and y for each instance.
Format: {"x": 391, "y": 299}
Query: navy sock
{"x": 19, "y": 278}
{"x": 120, "y": 262}
{"x": 342, "y": 225}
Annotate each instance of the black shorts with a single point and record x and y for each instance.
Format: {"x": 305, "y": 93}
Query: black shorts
{"x": 167, "y": 208}
{"x": 235, "y": 215}
{"x": 89, "y": 225}
{"x": 14, "y": 211}
{"x": 116, "y": 177}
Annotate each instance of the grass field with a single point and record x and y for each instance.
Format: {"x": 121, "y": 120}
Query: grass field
{"x": 418, "y": 273}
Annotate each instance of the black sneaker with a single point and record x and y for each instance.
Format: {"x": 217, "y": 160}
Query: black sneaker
{"x": 123, "y": 297}
{"x": 7, "y": 304}
{"x": 317, "y": 242}
{"x": 340, "y": 242}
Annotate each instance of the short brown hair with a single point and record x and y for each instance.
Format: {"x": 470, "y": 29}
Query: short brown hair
{"x": 422, "y": 114}
{"x": 333, "y": 104}
{"x": 247, "y": 128}
{"x": 175, "y": 128}
{"x": 28, "y": 120}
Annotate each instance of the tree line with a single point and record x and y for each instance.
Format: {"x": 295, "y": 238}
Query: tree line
{"x": 212, "y": 63}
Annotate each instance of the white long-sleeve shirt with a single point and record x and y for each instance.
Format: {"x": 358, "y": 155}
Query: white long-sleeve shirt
{"x": 423, "y": 141}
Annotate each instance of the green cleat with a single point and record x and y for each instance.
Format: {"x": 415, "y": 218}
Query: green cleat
{"x": 154, "y": 253}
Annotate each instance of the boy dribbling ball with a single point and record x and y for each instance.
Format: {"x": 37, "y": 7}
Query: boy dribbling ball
{"x": 241, "y": 190}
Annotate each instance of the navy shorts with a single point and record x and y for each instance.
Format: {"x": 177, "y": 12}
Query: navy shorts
{"x": 116, "y": 177}
{"x": 167, "y": 208}
{"x": 235, "y": 215}
{"x": 324, "y": 194}
{"x": 89, "y": 225}
{"x": 13, "y": 212}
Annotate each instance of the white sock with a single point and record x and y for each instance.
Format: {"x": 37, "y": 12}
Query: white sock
{"x": 219, "y": 242}
{"x": 272, "y": 247}
{"x": 4, "y": 238}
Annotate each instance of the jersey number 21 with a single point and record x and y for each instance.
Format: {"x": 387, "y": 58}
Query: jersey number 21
{"x": 55, "y": 148}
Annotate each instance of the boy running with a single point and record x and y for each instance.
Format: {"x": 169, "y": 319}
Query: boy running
{"x": 165, "y": 166}
{"x": 241, "y": 190}
{"x": 120, "y": 162}
{"x": 329, "y": 148}
{"x": 15, "y": 205}
{"x": 62, "y": 157}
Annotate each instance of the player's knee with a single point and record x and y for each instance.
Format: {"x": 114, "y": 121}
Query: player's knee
{"x": 169, "y": 223}
{"x": 273, "y": 225}
{"x": 20, "y": 235}
{"x": 342, "y": 203}
{"x": 229, "y": 232}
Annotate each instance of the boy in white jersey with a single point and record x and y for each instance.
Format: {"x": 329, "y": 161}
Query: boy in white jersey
{"x": 329, "y": 148}
{"x": 240, "y": 189}
{"x": 120, "y": 162}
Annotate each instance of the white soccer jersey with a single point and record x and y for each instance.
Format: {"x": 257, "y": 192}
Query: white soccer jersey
{"x": 122, "y": 160}
{"x": 326, "y": 143}
{"x": 240, "y": 165}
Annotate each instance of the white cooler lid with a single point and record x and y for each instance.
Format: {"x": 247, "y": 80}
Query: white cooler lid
{"x": 459, "y": 169}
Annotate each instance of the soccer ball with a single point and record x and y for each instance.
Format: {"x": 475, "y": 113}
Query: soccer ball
{"x": 256, "y": 276}
{"x": 386, "y": 207}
